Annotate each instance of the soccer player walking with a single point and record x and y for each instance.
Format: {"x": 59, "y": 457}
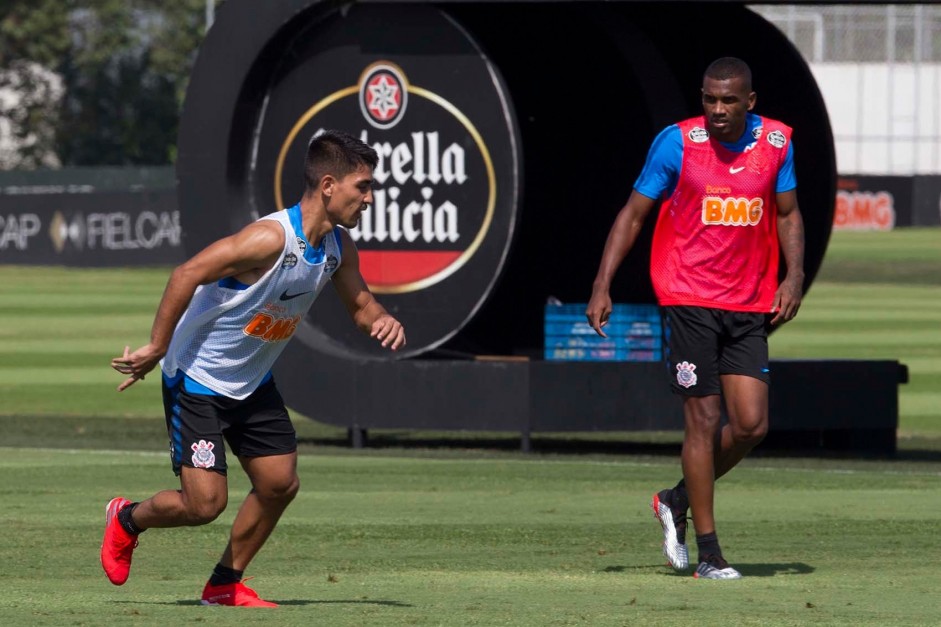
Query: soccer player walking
{"x": 727, "y": 193}
{"x": 224, "y": 318}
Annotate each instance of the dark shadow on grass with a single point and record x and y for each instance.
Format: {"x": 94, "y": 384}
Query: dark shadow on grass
{"x": 902, "y": 455}
{"x": 774, "y": 570}
{"x": 648, "y": 567}
{"x": 194, "y": 602}
{"x": 346, "y": 602}
{"x": 747, "y": 570}
{"x": 507, "y": 444}
{"x": 916, "y": 455}
{"x": 774, "y": 447}
{"x": 97, "y": 432}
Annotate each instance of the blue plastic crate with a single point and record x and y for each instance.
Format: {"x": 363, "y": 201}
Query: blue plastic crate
{"x": 634, "y": 333}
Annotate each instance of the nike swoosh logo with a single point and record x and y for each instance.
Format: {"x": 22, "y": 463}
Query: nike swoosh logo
{"x": 736, "y": 170}
{"x": 286, "y": 296}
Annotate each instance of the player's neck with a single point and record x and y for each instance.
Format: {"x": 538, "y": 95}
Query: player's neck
{"x": 314, "y": 221}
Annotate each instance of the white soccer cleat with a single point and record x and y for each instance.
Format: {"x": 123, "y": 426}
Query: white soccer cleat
{"x": 674, "y": 531}
{"x": 715, "y": 567}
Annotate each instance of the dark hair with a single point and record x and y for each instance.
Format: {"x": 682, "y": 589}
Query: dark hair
{"x": 335, "y": 153}
{"x": 728, "y": 68}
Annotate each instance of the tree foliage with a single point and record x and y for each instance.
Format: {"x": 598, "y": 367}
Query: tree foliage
{"x": 33, "y": 38}
{"x": 97, "y": 82}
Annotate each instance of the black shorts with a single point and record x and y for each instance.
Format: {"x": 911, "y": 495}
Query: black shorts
{"x": 255, "y": 426}
{"x": 703, "y": 344}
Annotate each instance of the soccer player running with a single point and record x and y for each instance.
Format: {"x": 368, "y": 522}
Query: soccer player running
{"x": 727, "y": 193}
{"x": 224, "y": 318}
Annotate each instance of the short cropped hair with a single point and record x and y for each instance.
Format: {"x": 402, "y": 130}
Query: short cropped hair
{"x": 728, "y": 68}
{"x": 335, "y": 153}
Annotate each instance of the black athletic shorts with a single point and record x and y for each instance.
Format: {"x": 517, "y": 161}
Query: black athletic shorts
{"x": 255, "y": 426}
{"x": 704, "y": 343}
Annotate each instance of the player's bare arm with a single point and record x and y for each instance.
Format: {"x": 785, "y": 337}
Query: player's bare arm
{"x": 787, "y": 299}
{"x": 246, "y": 256}
{"x": 367, "y": 313}
{"x": 621, "y": 238}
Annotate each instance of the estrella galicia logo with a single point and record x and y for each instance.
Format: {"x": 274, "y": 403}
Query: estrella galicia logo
{"x": 756, "y": 132}
{"x": 290, "y": 260}
{"x": 331, "y": 264}
{"x": 301, "y": 244}
{"x": 435, "y": 186}
{"x": 777, "y": 139}
{"x": 383, "y": 94}
{"x": 698, "y": 135}
{"x": 447, "y": 183}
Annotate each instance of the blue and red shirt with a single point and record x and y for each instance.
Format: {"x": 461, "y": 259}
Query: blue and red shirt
{"x": 715, "y": 243}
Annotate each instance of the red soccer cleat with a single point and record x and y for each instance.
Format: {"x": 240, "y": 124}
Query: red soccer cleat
{"x": 233, "y": 594}
{"x": 118, "y": 545}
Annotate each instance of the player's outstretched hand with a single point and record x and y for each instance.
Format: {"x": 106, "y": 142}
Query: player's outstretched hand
{"x": 389, "y": 331}
{"x": 599, "y": 310}
{"x": 136, "y": 364}
{"x": 787, "y": 300}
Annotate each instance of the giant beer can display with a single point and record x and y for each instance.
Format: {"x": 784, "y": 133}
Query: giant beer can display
{"x": 509, "y": 136}
{"x": 446, "y": 188}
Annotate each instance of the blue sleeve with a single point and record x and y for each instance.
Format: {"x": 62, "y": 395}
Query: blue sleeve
{"x": 787, "y": 180}
{"x": 664, "y": 161}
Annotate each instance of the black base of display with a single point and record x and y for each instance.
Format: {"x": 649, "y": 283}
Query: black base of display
{"x": 835, "y": 405}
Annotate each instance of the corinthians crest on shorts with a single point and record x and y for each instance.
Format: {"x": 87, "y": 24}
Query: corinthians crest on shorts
{"x": 203, "y": 457}
{"x": 685, "y": 374}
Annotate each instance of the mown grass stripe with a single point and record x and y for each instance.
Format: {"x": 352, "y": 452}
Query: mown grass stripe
{"x": 62, "y": 376}
{"x": 925, "y": 403}
{"x": 899, "y": 334}
{"x": 54, "y": 359}
{"x": 94, "y": 343}
{"x": 103, "y": 324}
{"x": 816, "y": 314}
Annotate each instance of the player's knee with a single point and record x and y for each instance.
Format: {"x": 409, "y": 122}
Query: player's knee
{"x": 291, "y": 489}
{"x": 205, "y": 510}
{"x": 283, "y": 490}
{"x": 752, "y": 432}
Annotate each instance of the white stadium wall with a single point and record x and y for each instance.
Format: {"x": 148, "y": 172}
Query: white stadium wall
{"x": 886, "y": 118}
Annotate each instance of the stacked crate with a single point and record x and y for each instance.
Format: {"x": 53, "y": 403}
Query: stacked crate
{"x": 634, "y": 334}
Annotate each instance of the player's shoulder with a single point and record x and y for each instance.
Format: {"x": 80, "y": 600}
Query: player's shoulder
{"x": 264, "y": 225}
{"x": 763, "y": 123}
{"x": 263, "y": 234}
{"x": 689, "y": 131}
{"x": 774, "y": 132}
{"x": 671, "y": 131}
{"x": 669, "y": 138}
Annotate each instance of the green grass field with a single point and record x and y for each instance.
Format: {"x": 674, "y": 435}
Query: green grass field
{"x": 405, "y": 535}
{"x": 878, "y": 296}
{"x": 378, "y": 540}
